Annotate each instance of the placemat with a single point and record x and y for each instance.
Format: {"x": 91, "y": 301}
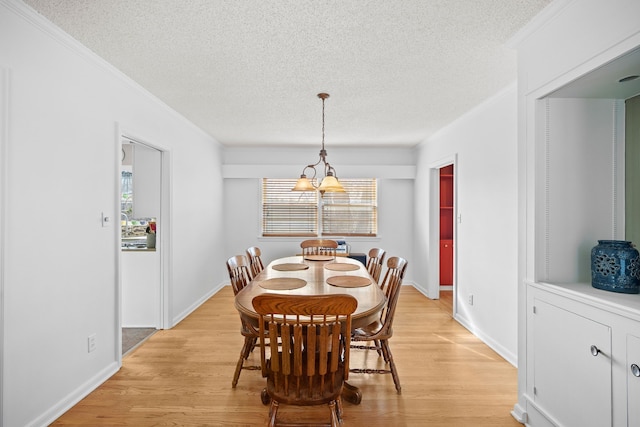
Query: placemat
{"x": 282, "y": 283}
{"x": 290, "y": 266}
{"x": 318, "y": 257}
{"x": 349, "y": 281}
{"x": 341, "y": 266}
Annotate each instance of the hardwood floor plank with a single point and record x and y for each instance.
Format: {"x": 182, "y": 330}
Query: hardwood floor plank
{"x": 182, "y": 377}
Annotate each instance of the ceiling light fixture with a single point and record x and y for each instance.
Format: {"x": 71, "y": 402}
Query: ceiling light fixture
{"x": 330, "y": 181}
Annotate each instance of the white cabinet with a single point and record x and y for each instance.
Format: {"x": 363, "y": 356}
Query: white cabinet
{"x": 580, "y": 348}
{"x": 633, "y": 379}
{"x": 141, "y": 283}
{"x": 570, "y": 383}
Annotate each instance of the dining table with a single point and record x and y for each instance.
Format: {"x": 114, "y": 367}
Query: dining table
{"x": 317, "y": 275}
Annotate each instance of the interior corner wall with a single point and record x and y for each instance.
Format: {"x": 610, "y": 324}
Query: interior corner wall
{"x": 484, "y": 142}
{"x": 60, "y": 277}
{"x": 632, "y": 168}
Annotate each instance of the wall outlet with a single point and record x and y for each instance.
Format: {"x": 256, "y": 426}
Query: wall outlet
{"x": 91, "y": 343}
{"x": 470, "y": 299}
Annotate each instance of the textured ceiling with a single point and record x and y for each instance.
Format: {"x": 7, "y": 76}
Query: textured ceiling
{"x": 248, "y": 71}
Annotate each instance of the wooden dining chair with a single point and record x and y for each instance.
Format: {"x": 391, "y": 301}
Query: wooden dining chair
{"x": 240, "y": 276}
{"x": 374, "y": 262}
{"x": 239, "y": 270}
{"x": 382, "y": 330}
{"x": 254, "y": 254}
{"x": 312, "y": 362}
{"x": 319, "y": 247}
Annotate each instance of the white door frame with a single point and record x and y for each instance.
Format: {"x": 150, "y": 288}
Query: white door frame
{"x": 5, "y": 77}
{"x": 163, "y": 317}
{"x": 433, "y": 287}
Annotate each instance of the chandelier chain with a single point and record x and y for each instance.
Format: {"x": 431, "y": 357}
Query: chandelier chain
{"x": 323, "y": 122}
{"x": 330, "y": 181}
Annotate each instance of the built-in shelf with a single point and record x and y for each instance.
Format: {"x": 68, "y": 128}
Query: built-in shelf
{"x": 446, "y": 226}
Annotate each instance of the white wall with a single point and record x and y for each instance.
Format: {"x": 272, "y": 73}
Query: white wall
{"x": 484, "y": 144}
{"x": 244, "y": 168}
{"x": 59, "y": 174}
{"x": 584, "y": 151}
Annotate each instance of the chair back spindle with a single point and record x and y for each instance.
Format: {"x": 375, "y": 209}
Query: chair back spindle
{"x": 319, "y": 247}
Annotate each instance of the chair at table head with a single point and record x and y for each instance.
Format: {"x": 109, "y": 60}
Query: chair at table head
{"x": 374, "y": 262}
{"x": 319, "y": 247}
{"x": 254, "y": 254}
{"x": 312, "y": 362}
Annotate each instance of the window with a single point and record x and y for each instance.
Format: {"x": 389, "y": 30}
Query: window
{"x": 286, "y": 212}
{"x": 293, "y": 213}
{"x": 352, "y": 213}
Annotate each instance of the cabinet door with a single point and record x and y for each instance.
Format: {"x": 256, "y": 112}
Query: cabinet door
{"x": 633, "y": 380}
{"x": 571, "y": 385}
{"x": 446, "y": 262}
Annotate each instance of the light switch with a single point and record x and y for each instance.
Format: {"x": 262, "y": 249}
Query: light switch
{"x": 106, "y": 220}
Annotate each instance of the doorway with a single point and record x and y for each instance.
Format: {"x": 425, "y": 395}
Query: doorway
{"x": 446, "y": 186}
{"x": 443, "y": 218}
{"x": 143, "y": 237}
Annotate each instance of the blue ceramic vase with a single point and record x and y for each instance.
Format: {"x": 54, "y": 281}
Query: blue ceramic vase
{"x": 615, "y": 267}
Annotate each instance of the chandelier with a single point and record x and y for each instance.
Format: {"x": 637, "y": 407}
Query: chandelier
{"x": 330, "y": 181}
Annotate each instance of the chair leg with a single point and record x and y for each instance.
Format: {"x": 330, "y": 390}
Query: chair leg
{"x": 244, "y": 354}
{"x": 392, "y": 365}
{"x": 378, "y": 348}
{"x": 336, "y": 421}
{"x": 383, "y": 351}
{"x": 254, "y": 343}
{"x": 273, "y": 412}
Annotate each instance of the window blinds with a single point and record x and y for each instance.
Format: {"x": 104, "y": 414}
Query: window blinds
{"x": 286, "y": 212}
{"x": 293, "y": 213}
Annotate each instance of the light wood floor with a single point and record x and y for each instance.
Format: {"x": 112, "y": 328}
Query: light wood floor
{"x": 182, "y": 377}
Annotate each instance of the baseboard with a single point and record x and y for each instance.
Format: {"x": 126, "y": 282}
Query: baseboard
{"x": 519, "y": 413}
{"x": 419, "y": 289}
{"x": 503, "y": 352}
{"x": 180, "y": 317}
{"x": 76, "y": 396}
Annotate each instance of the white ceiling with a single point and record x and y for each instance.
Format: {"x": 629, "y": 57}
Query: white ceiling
{"x": 248, "y": 71}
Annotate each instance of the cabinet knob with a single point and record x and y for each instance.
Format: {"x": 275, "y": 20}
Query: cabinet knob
{"x": 595, "y": 350}
{"x": 635, "y": 370}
